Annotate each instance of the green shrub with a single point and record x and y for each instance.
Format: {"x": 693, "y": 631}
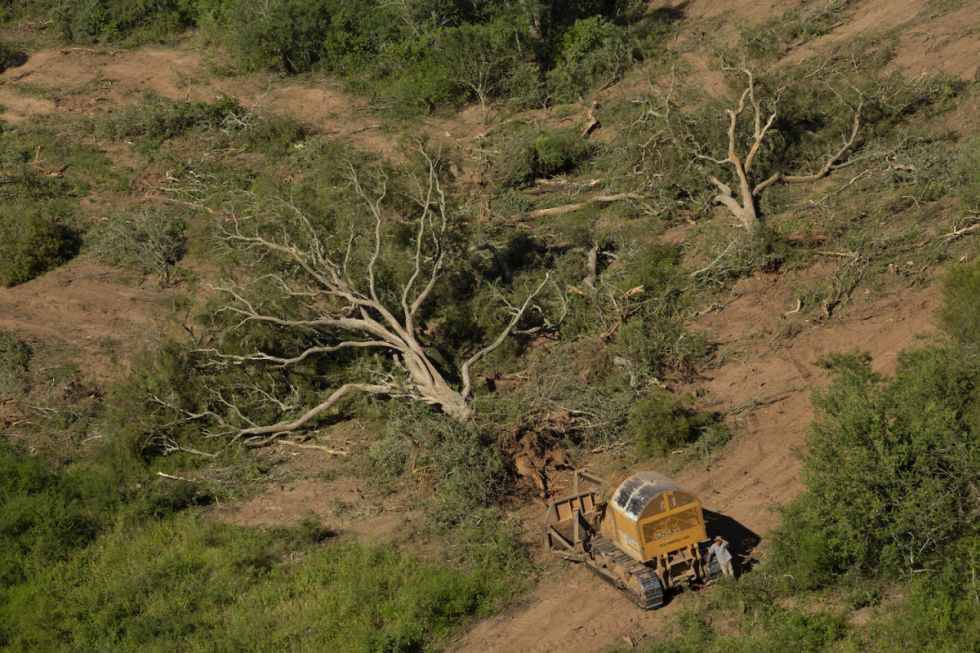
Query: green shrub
{"x": 31, "y": 245}
{"x": 148, "y": 242}
{"x": 960, "y": 314}
{"x": 144, "y": 428}
{"x": 749, "y": 616}
{"x": 419, "y": 56}
{"x": 479, "y": 58}
{"x": 657, "y": 425}
{"x": 10, "y": 56}
{"x": 888, "y": 467}
{"x": 288, "y": 35}
{"x": 594, "y": 54}
{"x": 411, "y": 78}
{"x": 11, "y": 10}
{"x": 939, "y": 613}
{"x": 157, "y": 119}
{"x": 465, "y": 461}
{"x": 269, "y": 133}
{"x": 558, "y": 151}
{"x": 544, "y": 154}
{"x": 95, "y": 21}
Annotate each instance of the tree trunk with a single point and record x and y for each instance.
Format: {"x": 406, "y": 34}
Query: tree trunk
{"x": 433, "y": 389}
{"x": 449, "y": 401}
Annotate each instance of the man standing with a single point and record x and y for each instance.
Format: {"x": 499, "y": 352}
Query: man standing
{"x": 719, "y": 550}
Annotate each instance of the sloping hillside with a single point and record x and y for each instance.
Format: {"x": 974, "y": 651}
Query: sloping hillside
{"x": 583, "y": 222}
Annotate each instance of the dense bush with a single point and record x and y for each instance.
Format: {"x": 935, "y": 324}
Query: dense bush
{"x": 594, "y": 54}
{"x": 290, "y": 34}
{"x": 960, "y": 314}
{"x": 96, "y": 21}
{"x": 148, "y": 242}
{"x": 888, "y": 469}
{"x": 658, "y": 425}
{"x": 31, "y": 245}
{"x": 421, "y": 55}
{"x": 416, "y": 55}
{"x": 543, "y": 154}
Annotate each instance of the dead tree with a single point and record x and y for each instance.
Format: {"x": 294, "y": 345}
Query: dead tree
{"x": 743, "y": 203}
{"x": 344, "y": 309}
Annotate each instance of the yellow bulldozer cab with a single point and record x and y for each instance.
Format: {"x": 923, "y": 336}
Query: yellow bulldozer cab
{"x": 651, "y": 516}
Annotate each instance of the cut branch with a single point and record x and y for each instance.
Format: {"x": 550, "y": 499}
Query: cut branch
{"x": 960, "y": 232}
{"x": 578, "y": 206}
{"x": 338, "y": 394}
{"x": 489, "y": 349}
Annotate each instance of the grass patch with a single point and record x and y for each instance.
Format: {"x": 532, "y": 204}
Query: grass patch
{"x": 92, "y": 561}
{"x": 14, "y": 359}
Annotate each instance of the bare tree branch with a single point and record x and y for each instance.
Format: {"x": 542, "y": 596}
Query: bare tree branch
{"x": 336, "y": 309}
{"x": 268, "y": 358}
{"x": 486, "y": 351}
{"x": 577, "y": 206}
{"x": 744, "y": 206}
{"x": 319, "y": 409}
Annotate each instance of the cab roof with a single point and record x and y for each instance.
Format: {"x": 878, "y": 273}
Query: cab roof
{"x": 636, "y": 491}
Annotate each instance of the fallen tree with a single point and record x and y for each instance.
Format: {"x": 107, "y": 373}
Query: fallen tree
{"x": 742, "y": 202}
{"x": 341, "y": 297}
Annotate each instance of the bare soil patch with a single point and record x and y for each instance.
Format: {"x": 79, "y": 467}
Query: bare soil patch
{"x": 930, "y": 41}
{"x": 572, "y": 611}
{"x": 764, "y": 380}
{"x": 88, "y": 81}
{"x": 348, "y": 507}
{"x": 93, "y": 313}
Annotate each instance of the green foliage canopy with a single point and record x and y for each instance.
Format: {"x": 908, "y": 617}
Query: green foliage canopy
{"x": 891, "y": 465}
{"x": 31, "y": 245}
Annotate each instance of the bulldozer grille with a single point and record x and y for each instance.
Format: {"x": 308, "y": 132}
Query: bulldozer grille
{"x": 678, "y": 498}
{"x": 664, "y": 502}
{"x": 670, "y": 525}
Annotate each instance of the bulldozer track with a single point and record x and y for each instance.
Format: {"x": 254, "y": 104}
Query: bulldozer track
{"x": 618, "y": 569}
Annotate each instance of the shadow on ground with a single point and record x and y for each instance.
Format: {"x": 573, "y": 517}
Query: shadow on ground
{"x": 741, "y": 540}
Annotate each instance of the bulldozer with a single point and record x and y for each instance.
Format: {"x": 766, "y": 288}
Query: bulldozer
{"x": 650, "y": 538}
